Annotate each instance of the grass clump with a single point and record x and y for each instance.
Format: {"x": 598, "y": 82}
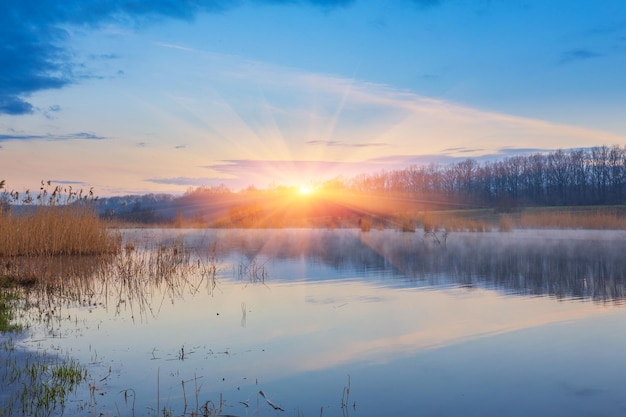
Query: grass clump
{"x": 37, "y": 384}
{"x": 6, "y": 311}
{"x": 58, "y": 221}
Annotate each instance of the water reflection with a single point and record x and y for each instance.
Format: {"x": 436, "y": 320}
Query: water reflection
{"x": 292, "y": 313}
{"x": 563, "y": 264}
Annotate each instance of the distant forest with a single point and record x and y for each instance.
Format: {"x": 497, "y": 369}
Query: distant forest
{"x": 595, "y": 176}
{"x": 581, "y": 177}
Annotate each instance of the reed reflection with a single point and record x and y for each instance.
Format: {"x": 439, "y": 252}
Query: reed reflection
{"x": 134, "y": 282}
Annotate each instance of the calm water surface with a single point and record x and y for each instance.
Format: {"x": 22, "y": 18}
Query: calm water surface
{"x": 387, "y": 323}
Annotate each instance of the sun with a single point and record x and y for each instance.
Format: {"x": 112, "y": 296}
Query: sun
{"x": 304, "y": 190}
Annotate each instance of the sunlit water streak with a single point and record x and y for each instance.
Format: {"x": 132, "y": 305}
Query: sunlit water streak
{"x": 524, "y": 323}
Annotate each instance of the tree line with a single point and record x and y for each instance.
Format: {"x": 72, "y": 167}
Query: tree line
{"x": 590, "y": 176}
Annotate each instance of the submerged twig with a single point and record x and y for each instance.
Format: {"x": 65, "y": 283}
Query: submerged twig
{"x": 274, "y": 406}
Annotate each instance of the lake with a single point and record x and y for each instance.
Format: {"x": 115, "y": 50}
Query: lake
{"x": 348, "y": 323}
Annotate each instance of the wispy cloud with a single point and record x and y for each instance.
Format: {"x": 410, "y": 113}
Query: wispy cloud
{"x": 462, "y": 150}
{"x": 69, "y": 182}
{"x": 340, "y": 144}
{"x": 426, "y": 3}
{"x": 173, "y": 46}
{"x": 20, "y": 137}
{"x": 49, "y": 113}
{"x": 607, "y": 28}
{"x": 187, "y": 181}
{"x": 324, "y": 4}
{"x": 106, "y": 57}
{"x": 510, "y": 151}
{"x": 82, "y": 135}
{"x": 49, "y": 136}
{"x": 578, "y": 54}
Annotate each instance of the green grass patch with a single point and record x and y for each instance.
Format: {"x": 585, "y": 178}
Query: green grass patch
{"x": 7, "y": 299}
{"x": 36, "y": 384}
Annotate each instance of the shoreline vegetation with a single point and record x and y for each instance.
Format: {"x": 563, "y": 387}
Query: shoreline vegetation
{"x": 62, "y": 221}
{"x": 578, "y": 181}
{"x": 38, "y": 234}
{"x": 38, "y": 231}
{"x": 55, "y": 252}
{"x": 465, "y": 220}
{"x": 53, "y": 222}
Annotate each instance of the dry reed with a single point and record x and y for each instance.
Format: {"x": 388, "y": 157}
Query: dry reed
{"x": 61, "y": 222}
{"x": 544, "y": 218}
{"x": 597, "y": 219}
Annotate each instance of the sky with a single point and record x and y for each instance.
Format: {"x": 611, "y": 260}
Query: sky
{"x": 133, "y": 97}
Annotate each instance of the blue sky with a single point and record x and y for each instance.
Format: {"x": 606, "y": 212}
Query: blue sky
{"x": 133, "y": 97}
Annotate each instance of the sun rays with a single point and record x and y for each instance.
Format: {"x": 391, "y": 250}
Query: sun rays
{"x": 305, "y": 190}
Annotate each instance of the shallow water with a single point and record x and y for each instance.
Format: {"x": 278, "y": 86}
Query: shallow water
{"x": 341, "y": 322}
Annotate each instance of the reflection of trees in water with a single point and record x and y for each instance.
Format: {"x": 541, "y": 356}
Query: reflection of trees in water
{"x": 575, "y": 269}
{"x": 564, "y": 265}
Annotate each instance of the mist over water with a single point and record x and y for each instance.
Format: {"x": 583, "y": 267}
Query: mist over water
{"x": 344, "y": 322}
{"x": 562, "y": 263}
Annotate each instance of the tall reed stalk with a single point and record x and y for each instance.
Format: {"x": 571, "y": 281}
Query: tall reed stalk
{"x": 51, "y": 223}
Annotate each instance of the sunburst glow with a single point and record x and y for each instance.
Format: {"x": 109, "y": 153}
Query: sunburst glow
{"x": 305, "y": 190}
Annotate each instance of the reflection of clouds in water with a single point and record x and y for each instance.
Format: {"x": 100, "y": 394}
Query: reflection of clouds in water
{"x": 416, "y": 321}
{"x": 340, "y": 302}
{"x": 575, "y": 390}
